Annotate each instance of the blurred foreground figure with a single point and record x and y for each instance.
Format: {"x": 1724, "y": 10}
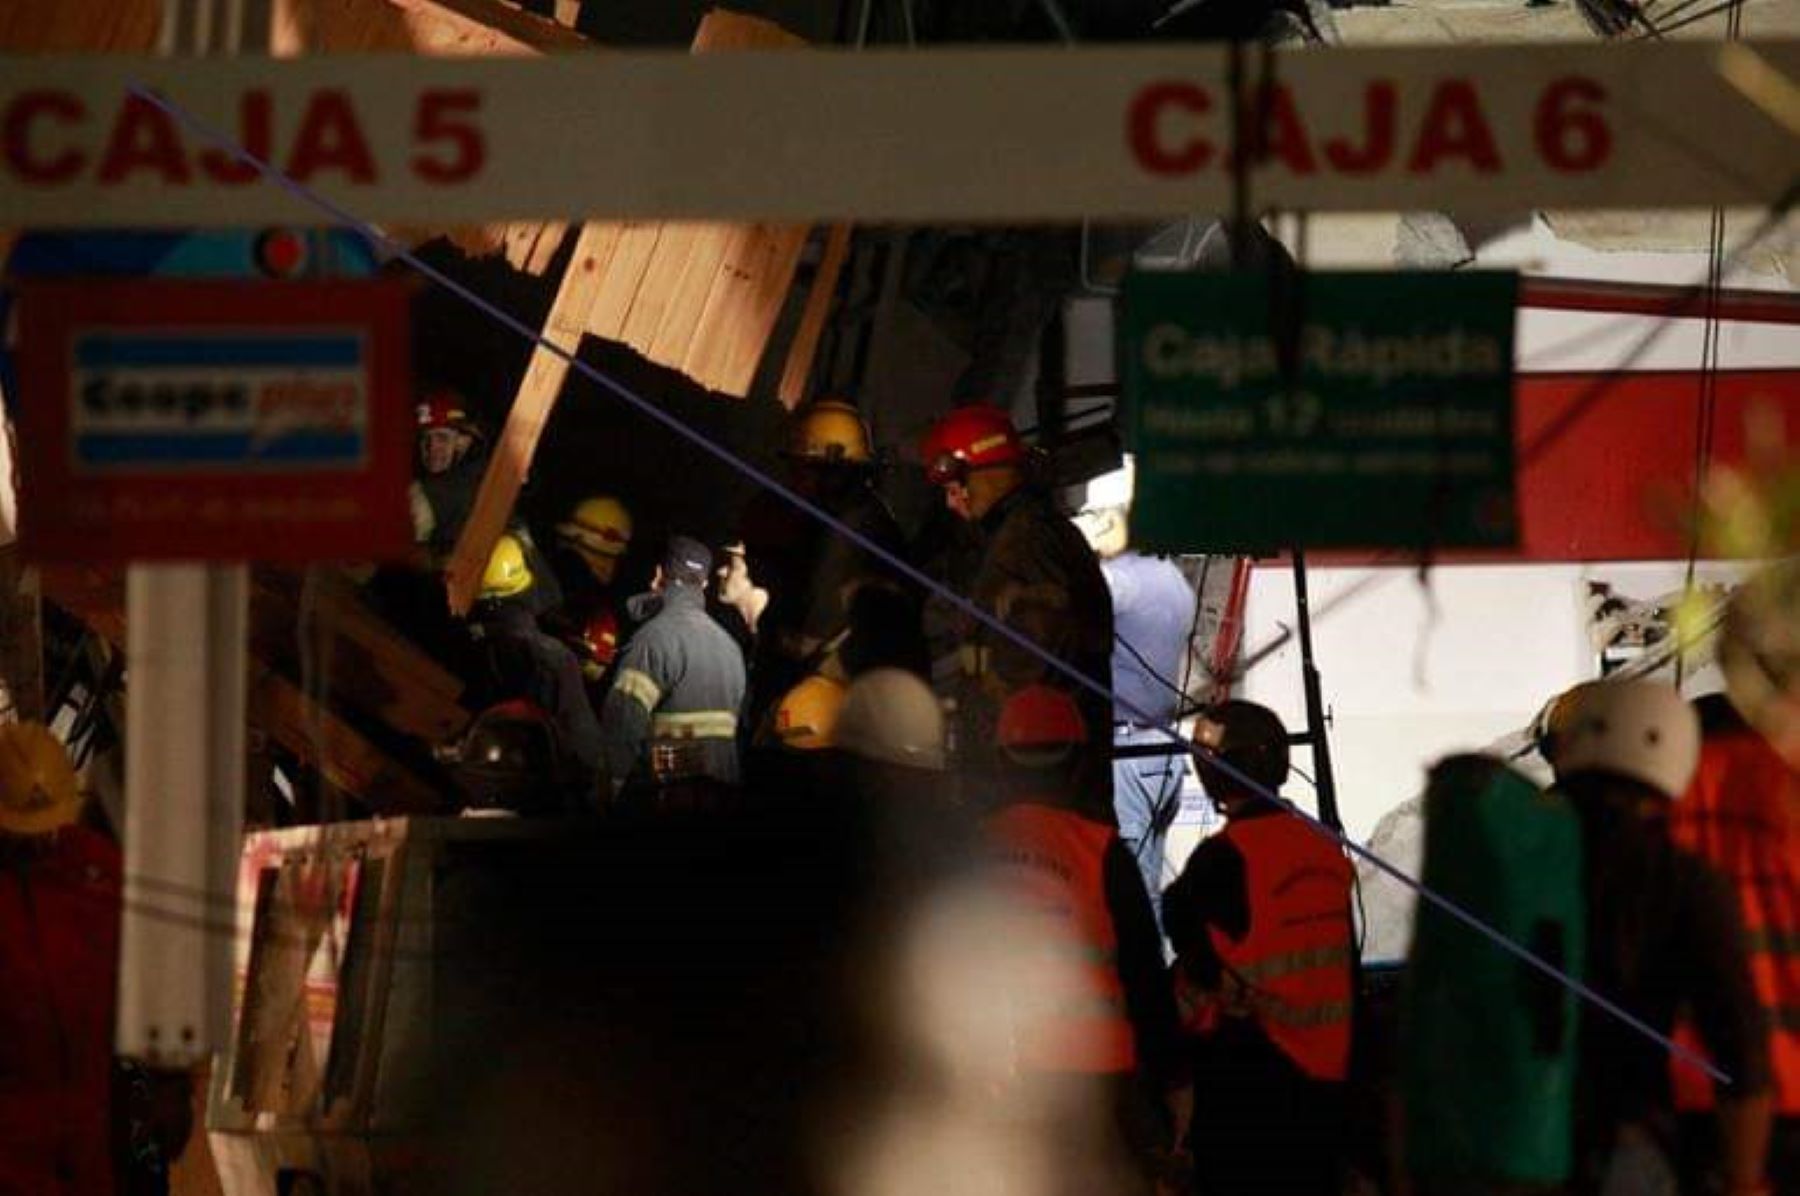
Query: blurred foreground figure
{"x": 1110, "y": 1023}
{"x": 1489, "y": 1044}
{"x": 1663, "y": 934}
{"x": 1260, "y": 920}
{"x": 1741, "y": 814}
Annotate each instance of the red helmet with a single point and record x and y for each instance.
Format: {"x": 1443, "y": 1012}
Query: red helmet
{"x": 1039, "y": 724}
{"x": 601, "y": 637}
{"x": 977, "y": 437}
{"x": 444, "y": 409}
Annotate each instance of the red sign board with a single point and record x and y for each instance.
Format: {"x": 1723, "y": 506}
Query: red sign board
{"x": 223, "y": 421}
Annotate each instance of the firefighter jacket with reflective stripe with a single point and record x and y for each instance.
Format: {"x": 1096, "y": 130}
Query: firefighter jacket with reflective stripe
{"x": 1038, "y": 577}
{"x": 1055, "y": 861}
{"x": 1742, "y": 815}
{"x": 678, "y": 690}
{"x": 1292, "y": 970}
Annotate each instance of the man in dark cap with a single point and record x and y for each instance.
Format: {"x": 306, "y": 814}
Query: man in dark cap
{"x": 677, "y": 698}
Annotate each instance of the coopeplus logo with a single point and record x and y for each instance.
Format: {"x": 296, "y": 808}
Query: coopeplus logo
{"x": 258, "y": 403}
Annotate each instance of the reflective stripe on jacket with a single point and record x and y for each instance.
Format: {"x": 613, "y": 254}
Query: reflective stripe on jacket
{"x": 1741, "y": 814}
{"x": 1055, "y": 859}
{"x": 1292, "y": 971}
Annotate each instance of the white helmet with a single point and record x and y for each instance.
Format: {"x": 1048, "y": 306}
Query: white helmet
{"x": 892, "y": 717}
{"x": 1637, "y": 729}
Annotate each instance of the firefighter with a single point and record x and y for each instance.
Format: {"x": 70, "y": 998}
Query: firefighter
{"x": 1117, "y": 1026}
{"x": 1663, "y": 934}
{"x": 591, "y": 545}
{"x": 59, "y": 954}
{"x": 1036, "y": 575}
{"x": 812, "y": 571}
{"x": 1741, "y": 814}
{"x": 452, "y": 458}
{"x": 518, "y": 660}
{"x": 678, "y": 695}
{"x": 1260, "y": 921}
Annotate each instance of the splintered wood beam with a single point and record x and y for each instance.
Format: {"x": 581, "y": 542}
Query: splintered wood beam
{"x": 597, "y": 293}
{"x": 531, "y": 409}
{"x": 805, "y": 348}
{"x": 339, "y": 752}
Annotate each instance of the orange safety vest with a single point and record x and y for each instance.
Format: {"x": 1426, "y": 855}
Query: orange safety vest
{"x": 1741, "y": 814}
{"x": 1291, "y": 972}
{"x": 1055, "y": 860}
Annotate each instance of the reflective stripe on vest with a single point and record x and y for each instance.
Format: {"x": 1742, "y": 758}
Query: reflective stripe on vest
{"x": 1056, "y": 862}
{"x": 694, "y": 724}
{"x": 1292, "y": 971}
{"x": 1741, "y": 814}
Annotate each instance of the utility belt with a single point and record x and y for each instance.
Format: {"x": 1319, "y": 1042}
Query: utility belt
{"x": 678, "y": 742}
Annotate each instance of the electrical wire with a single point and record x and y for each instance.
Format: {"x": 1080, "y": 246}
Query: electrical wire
{"x": 724, "y": 455}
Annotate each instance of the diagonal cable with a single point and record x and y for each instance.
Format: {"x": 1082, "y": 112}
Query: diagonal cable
{"x": 725, "y": 456}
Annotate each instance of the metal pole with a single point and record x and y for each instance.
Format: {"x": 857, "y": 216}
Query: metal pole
{"x": 1324, "y": 782}
{"x": 187, "y": 637}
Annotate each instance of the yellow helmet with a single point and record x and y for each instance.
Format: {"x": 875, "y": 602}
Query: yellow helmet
{"x": 832, "y": 432}
{"x": 38, "y": 792}
{"x": 806, "y": 717}
{"x": 507, "y": 575}
{"x": 598, "y": 526}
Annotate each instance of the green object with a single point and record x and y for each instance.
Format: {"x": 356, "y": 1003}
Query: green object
{"x": 1382, "y": 418}
{"x": 1489, "y": 1041}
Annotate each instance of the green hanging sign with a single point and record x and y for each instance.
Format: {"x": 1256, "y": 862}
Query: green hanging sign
{"x": 1380, "y": 416}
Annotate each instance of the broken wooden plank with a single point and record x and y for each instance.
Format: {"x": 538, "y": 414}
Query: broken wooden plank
{"x": 550, "y": 239}
{"x": 745, "y": 302}
{"x": 606, "y": 257}
{"x": 372, "y": 668}
{"x": 805, "y": 347}
{"x": 669, "y": 343}
{"x": 620, "y": 281}
{"x": 337, "y": 751}
{"x": 543, "y": 381}
{"x": 662, "y": 278}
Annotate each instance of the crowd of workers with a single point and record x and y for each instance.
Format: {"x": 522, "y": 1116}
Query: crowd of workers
{"x": 1213, "y": 1018}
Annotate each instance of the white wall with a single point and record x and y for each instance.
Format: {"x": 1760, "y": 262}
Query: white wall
{"x": 1414, "y": 672}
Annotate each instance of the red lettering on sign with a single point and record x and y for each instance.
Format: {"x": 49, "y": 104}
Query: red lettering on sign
{"x": 1569, "y": 138}
{"x": 1380, "y": 101}
{"x": 1282, "y": 135}
{"x": 444, "y": 117}
{"x": 1144, "y": 129}
{"x": 143, "y": 138}
{"x": 330, "y": 138}
{"x": 15, "y": 136}
{"x": 255, "y": 137}
{"x": 1455, "y": 127}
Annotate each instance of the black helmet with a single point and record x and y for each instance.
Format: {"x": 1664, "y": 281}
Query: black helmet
{"x": 511, "y": 759}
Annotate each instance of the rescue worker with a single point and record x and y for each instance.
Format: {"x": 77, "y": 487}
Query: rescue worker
{"x": 518, "y": 660}
{"x": 678, "y": 696}
{"x": 59, "y": 954}
{"x": 1036, "y": 575}
{"x": 1117, "y": 1026}
{"x": 590, "y": 547}
{"x": 1154, "y": 611}
{"x": 790, "y": 751}
{"x": 1260, "y": 921}
{"x": 740, "y": 601}
{"x": 1663, "y": 933}
{"x": 1741, "y": 814}
{"x": 812, "y": 571}
{"x": 452, "y": 458}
